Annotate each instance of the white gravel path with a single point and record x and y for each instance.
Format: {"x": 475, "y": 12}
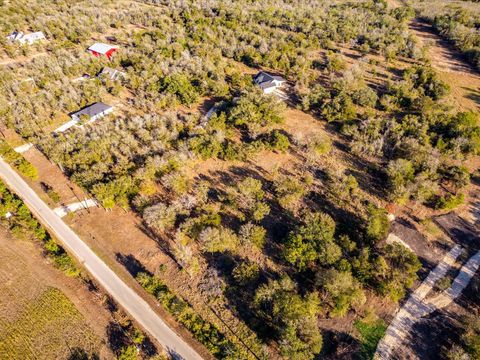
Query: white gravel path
{"x": 414, "y": 308}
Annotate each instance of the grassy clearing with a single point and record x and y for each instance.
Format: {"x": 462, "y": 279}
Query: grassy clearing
{"x": 48, "y": 326}
{"x": 371, "y": 331}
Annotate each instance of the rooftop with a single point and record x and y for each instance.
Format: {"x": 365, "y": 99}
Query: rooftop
{"x": 93, "y": 110}
{"x": 101, "y": 48}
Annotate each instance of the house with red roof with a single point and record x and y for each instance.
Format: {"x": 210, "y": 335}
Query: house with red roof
{"x": 100, "y": 49}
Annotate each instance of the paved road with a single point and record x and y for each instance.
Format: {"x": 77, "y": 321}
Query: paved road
{"x": 414, "y": 308}
{"x": 462, "y": 280}
{"x": 121, "y": 292}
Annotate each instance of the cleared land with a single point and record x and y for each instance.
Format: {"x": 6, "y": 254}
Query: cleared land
{"x": 44, "y": 314}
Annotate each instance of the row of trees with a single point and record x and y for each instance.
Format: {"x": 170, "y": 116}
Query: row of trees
{"x": 460, "y": 25}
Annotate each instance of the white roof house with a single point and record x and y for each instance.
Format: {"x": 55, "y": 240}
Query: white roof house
{"x": 22, "y": 38}
{"x": 98, "y": 49}
{"x": 268, "y": 83}
{"x": 112, "y": 74}
{"x": 86, "y": 115}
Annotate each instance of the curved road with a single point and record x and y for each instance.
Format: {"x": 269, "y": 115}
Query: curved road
{"x": 119, "y": 290}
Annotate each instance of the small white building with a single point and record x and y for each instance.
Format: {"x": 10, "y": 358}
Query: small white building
{"x": 268, "y": 83}
{"x": 112, "y": 74}
{"x": 18, "y": 36}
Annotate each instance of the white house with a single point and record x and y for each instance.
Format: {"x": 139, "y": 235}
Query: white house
{"x": 86, "y": 115}
{"x": 29, "y": 39}
{"x": 92, "y": 112}
{"x": 112, "y": 74}
{"x": 268, "y": 83}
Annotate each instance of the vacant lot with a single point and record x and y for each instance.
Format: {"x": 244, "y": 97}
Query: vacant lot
{"x": 44, "y": 314}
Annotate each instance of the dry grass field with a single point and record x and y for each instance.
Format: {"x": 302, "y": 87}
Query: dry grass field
{"x": 43, "y": 314}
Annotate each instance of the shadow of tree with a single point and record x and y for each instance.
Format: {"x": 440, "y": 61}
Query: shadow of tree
{"x": 77, "y": 353}
{"x": 130, "y": 263}
{"x": 240, "y": 298}
{"x": 338, "y": 346}
{"x": 473, "y": 94}
{"x": 433, "y": 335}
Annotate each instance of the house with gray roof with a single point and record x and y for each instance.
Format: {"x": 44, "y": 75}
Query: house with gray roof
{"x": 86, "y": 115}
{"x": 92, "y": 112}
{"x": 267, "y": 82}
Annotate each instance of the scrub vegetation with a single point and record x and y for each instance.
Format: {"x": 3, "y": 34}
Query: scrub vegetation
{"x": 276, "y": 227}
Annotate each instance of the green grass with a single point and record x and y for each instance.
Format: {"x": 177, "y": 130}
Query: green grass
{"x": 432, "y": 228}
{"x": 370, "y": 334}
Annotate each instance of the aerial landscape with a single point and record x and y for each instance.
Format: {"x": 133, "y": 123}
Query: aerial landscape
{"x": 238, "y": 179}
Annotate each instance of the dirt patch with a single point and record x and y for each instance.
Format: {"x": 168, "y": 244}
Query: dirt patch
{"x": 51, "y": 174}
{"x": 460, "y": 230}
{"x": 429, "y": 252}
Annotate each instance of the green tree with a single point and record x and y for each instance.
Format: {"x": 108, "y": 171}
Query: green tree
{"x": 180, "y": 85}
{"x": 218, "y": 239}
{"x": 294, "y": 318}
{"x": 343, "y": 290}
{"x": 313, "y": 242}
{"x": 395, "y": 270}
{"x": 246, "y": 273}
{"x": 279, "y": 141}
{"x": 253, "y": 234}
{"x": 378, "y": 224}
{"x": 256, "y": 111}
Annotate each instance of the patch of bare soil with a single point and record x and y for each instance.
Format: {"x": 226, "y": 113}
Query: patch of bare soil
{"x": 433, "y": 335}
{"x": 430, "y": 253}
{"x": 51, "y": 175}
{"x": 460, "y": 230}
{"x": 21, "y": 59}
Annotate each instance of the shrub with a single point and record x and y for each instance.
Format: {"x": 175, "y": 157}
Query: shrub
{"x": 448, "y": 202}
{"x": 253, "y": 234}
{"x": 246, "y": 273}
{"x": 205, "y": 332}
{"x": 378, "y": 224}
{"x": 279, "y": 141}
{"x": 17, "y": 161}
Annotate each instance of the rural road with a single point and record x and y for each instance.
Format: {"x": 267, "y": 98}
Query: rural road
{"x": 116, "y": 287}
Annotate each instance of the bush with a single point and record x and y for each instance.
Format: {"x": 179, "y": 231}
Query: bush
{"x": 17, "y": 161}
{"x": 205, "y": 332}
{"x": 180, "y": 85}
{"x": 246, "y": 273}
{"x": 448, "y": 202}
{"x": 279, "y": 141}
{"x": 378, "y": 224}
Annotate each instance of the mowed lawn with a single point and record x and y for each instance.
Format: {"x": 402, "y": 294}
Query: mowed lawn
{"x": 37, "y": 321}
